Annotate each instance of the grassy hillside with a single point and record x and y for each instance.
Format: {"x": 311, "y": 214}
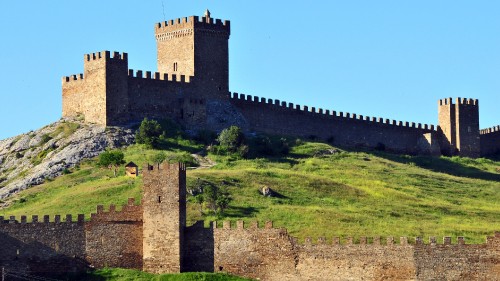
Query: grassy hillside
{"x": 320, "y": 191}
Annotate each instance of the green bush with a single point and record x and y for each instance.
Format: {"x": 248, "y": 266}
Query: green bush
{"x": 149, "y": 133}
{"x": 231, "y": 138}
{"x": 111, "y": 159}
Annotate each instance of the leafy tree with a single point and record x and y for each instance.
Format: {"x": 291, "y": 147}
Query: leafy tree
{"x": 231, "y": 138}
{"x": 215, "y": 198}
{"x": 159, "y": 157}
{"x": 111, "y": 159}
{"x": 149, "y": 133}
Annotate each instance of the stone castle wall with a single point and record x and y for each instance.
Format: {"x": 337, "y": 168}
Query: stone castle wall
{"x": 279, "y": 117}
{"x": 42, "y": 246}
{"x": 195, "y": 53}
{"x": 154, "y": 237}
{"x": 269, "y": 253}
{"x": 490, "y": 140}
{"x": 114, "y": 238}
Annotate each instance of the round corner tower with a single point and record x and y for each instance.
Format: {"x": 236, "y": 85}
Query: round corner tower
{"x": 198, "y": 48}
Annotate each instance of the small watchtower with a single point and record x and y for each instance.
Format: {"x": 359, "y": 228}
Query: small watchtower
{"x": 164, "y": 217}
{"x": 193, "y": 47}
{"x": 459, "y": 125}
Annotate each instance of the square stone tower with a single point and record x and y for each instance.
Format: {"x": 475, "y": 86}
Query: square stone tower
{"x": 101, "y": 92}
{"x": 459, "y": 124}
{"x": 191, "y": 47}
{"x": 164, "y": 217}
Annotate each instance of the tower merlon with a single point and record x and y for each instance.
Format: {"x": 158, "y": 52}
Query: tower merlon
{"x": 74, "y": 77}
{"x": 193, "y": 22}
{"x": 467, "y": 101}
{"x": 106, "y": 55}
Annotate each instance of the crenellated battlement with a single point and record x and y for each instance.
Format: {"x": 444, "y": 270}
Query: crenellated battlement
{"x": 129, "y": 212}
{"x": 388, "y": 241}
{"x": 467, "y": 101}
{"x": 240, "y": 224}
{"x": 320, "y": 112}
{"x": 105, "y": 55}
{"x": 45, "y": 220}
{"x": 159, "y": 76}
{"x": 163, "y": 167}
{"x": 187, "y": 25}
{"x": 493, "y": 129}
{"x": 73, "y": 78}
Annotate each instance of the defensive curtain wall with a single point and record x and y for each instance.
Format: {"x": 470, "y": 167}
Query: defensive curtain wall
{"x": 192, "y": 88}
{"x": 153, "y": 236}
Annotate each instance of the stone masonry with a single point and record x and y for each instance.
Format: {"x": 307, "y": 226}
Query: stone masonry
{"x": 192, "y": 88}
{"x": 154, "y": 237}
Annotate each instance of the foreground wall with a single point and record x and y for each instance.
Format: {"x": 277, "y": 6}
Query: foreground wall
{"x": 270, "y": 254}
{"x": 109, "y": 239}
{"x": 114, "y": 238}
{"x": 42, "y": 246}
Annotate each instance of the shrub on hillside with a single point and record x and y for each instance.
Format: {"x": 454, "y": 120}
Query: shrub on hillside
{"x": 149, "y": 133}
{"x": 215, "y": 198}
{"x": 111, "y": 159}
{"x": 231, "y": 138}
{"x": 267, "y": 146}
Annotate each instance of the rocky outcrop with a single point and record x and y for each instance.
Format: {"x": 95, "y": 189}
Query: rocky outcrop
{"x": 29, "y": 159}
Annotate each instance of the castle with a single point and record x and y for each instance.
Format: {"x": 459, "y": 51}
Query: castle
{"x": 154, "y": 237}
{"x": 192, "y": 88}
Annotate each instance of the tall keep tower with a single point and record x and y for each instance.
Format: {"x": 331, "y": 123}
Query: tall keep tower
{"x": 164, "y": 217}
{"x": 459, "y": 125}
{"x": 194, "y": 47}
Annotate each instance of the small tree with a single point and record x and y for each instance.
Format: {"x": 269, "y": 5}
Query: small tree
{"x": 149, "y": 133}
{"x": 231, "y": 138}
{"x": 111, "y": 159}
{"x": 158, "y": 158}
{"x": 215, "y": 198}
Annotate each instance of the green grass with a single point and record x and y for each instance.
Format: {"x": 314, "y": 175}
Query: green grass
{"x": 118, "y": 274}
{"x": 348, "y": 193}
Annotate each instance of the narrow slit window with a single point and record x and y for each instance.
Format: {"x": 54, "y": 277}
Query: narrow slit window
{"x": 159, "y": 199}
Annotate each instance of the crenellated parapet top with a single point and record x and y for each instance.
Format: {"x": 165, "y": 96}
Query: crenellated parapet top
{"x": 104, "y": 56}
{"x": 378, "y": 241}
{"x": 73, "y": 78}
{"x": 463, "y": 101}
{"x": 35, "y": 219}
{"x": 185, "y": 26}
{"x": 236, "y": 226}
{"x": 391, "y": 241}
{"x": 159, "y": 76}
{"x": 490, "y": 130}
{"x": 129, "y": 212}
{"x": 163, "y": 167}
{"x": 346, "y": 116}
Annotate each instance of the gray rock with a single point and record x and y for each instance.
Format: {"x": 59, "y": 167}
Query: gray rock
{"x": 21, "y": 158}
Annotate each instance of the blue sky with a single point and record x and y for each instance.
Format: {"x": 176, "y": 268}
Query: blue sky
{"x": 391, "y": 59}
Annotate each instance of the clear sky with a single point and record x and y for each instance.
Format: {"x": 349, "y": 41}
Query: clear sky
{"x": 384, "y": 58}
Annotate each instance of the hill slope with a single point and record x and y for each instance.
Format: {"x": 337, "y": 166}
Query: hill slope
{"x": 30, "y": 159}
{"x": 319, "y": 191}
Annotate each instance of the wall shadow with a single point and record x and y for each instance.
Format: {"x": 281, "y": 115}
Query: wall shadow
{"x": 34, "y": 258}
{"x": 199, "y": 248}
{"x": 440, "y": 165}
